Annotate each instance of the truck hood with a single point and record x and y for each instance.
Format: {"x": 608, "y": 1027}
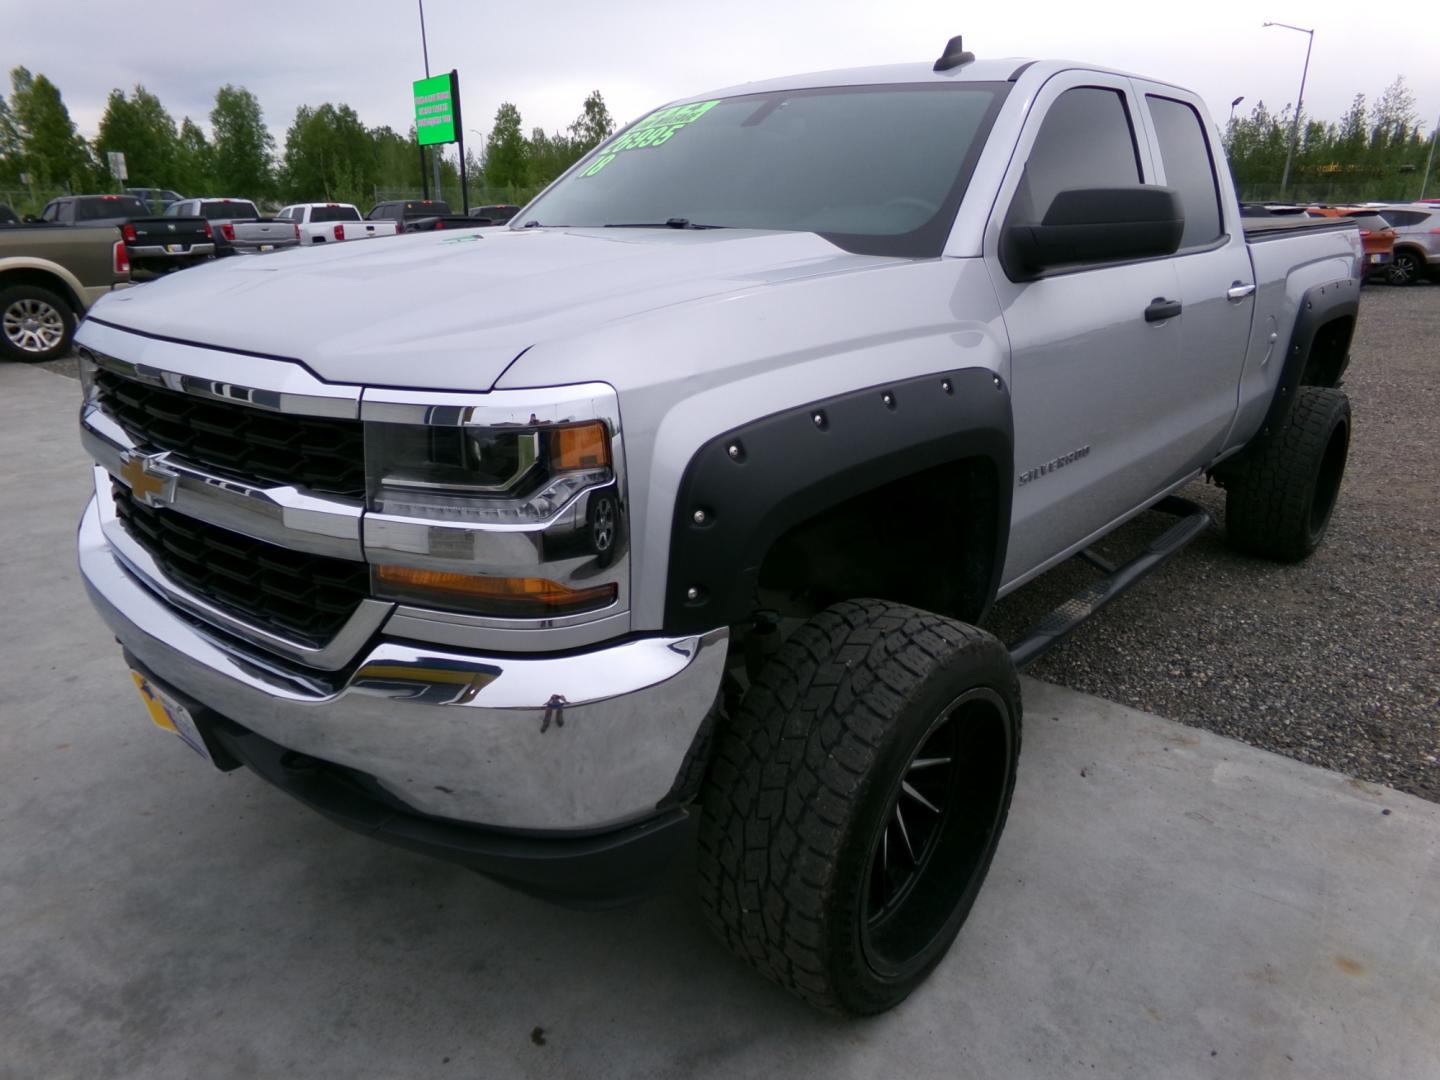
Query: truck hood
{"x": 451, "y": 310}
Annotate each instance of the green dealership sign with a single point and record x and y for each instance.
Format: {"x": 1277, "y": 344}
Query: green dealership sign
{"x": 436, "y": 110}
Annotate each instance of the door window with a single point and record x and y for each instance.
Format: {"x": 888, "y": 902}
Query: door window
{"x": 1086, "y": 140}
{"x": 1189, "y": 168}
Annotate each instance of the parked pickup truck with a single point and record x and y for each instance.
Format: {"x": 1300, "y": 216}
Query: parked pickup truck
{"x": 156, "y": 244}
{"x": 695, "y": 486}
{"x": 49, "y": 277}
{"x": 328, "y": 223}
{"x": 238, "y": 226}
{"x": 421, "y": 215}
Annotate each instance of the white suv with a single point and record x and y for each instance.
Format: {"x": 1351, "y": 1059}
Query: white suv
{"x": 1417, "y": 241}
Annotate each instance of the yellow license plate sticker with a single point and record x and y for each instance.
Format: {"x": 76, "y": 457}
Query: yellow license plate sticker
{"x": 169, "y": 714}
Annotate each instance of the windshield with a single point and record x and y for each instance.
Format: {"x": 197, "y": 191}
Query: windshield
{"x": 875, "y": 169}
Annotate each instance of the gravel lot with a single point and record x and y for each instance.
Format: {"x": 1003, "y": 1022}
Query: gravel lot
{"x": 1335, "y": 661}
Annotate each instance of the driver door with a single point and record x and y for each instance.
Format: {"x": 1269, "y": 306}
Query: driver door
{"x": 1093, "y": 376}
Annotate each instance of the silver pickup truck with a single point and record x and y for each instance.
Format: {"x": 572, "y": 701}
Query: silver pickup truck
{"x": 238, "y": 226}
{"x": 687, "y": 494}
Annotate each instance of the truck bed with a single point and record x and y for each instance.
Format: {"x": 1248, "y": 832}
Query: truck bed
{"x": 1258, "y": 230}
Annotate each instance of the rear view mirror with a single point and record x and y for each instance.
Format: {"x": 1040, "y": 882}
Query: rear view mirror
{"x": 1097, "y": 225}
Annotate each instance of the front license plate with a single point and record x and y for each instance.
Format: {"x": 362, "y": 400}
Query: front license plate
{"x": 1377, "y": 258}
{"x": 169, "y": 714}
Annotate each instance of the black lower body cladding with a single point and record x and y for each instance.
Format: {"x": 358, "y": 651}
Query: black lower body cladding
{"x": 754, "y": 482}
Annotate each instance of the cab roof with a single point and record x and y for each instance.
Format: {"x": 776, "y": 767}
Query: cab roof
{"x": 1003, "y": 69}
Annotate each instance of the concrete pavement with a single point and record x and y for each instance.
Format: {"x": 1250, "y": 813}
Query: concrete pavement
{"x": 1165, "y": 903}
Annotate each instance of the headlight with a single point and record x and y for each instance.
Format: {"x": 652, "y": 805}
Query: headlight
{"x": 452, "y": 505}
{"x": 503, "y": 476}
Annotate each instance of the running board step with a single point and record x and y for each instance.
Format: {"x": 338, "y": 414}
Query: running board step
{"x": 1048, "y": 632}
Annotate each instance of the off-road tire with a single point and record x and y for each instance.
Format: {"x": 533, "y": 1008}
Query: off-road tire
{"x": 804, "y": 781}
{"x": 1278, "y": 504}
{"x": 60, "y": 319}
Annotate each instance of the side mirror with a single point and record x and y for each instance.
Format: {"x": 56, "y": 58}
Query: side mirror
{"x": 1097, "y": 225}
{"x": 31, "y": 219}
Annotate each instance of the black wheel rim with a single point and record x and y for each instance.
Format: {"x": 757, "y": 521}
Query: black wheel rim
{"x": 1402, "y": 270}
{"x": 938, "y": 832}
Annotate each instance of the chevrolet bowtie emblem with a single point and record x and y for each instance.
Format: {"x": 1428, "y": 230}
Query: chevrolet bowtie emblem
{"x": 149, "y": 482}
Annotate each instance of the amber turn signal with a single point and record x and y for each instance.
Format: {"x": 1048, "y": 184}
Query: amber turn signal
{"x": 580, "y": 446}
{"x": 524, "y": 597}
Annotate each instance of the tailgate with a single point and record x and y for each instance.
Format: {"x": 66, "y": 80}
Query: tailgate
{"x": 170, "y": 231}
{"x": 270, "y": 232}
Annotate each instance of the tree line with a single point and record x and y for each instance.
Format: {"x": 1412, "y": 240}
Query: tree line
{"x": 328, "y": 152}
{"x": 1374, "y": 152}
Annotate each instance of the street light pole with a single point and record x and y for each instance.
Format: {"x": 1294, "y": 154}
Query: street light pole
{"x": 1429, "y": 160}
{"x": 1299, "y": 103}
{"x": 1230, "y": 127}
{"x": 425, "y": 47}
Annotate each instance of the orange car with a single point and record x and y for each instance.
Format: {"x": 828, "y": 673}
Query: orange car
{"x": 1375, "y": 233}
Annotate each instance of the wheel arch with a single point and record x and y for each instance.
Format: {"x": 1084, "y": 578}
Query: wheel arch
{"x": 873, "y": 455}
{"x": 1317, "y": 354}
{"x": 45, "y": 276}
{"x": 1412, "y": 248}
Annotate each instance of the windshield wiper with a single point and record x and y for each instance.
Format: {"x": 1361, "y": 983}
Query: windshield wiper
{"x": 672, "y": 223}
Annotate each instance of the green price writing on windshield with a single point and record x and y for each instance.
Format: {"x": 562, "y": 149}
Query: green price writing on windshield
{"x": 655, "y": 130}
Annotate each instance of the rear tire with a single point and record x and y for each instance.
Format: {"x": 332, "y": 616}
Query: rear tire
{"x": 1278, "y": 504}
{"x": 1405, "y": 268}
{"x": 856, "y": 800}
{"x": 35, "y": 324}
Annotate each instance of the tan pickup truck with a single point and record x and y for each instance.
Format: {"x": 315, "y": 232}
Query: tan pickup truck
{"x": 49, "y": 277}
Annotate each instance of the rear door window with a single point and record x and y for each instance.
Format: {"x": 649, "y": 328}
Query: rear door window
{"x": 230, "y": 210}
{"x": 1085, "y": 141}
{"x": 334, "y": 213}
{"x": 1189, "y": 168}
{"x": 117, "y": 206}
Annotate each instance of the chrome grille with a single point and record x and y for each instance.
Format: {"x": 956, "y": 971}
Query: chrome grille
{"x": 315, "y": 453}
{"x": 306, "y": 598}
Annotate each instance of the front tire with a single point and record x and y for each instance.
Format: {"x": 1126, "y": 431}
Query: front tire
{"x": 856, "y": 801}
{"x": 1278, "y": 504}
{"x": 35, "y": 324}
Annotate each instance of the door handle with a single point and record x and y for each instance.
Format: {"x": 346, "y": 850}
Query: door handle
{"x": 1161, "y": 309}
{"x": 1239, "y": 291}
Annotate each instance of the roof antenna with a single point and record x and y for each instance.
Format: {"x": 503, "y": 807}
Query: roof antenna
{"x": 954, "y": 55}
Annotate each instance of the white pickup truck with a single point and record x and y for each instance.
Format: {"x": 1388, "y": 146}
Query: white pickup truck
{"x": 330, "y": 223}
{"x": 691, "y": 490}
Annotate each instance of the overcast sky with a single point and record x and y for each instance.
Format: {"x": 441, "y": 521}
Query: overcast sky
{"x": 546, "y": 56}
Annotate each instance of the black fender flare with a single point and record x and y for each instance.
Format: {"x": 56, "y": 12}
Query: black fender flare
{"x": 743, "y": 489}
{"x": 1320, "y": 305}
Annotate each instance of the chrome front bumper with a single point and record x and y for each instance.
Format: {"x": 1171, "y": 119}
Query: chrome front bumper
{"x": 581, "y": 742}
